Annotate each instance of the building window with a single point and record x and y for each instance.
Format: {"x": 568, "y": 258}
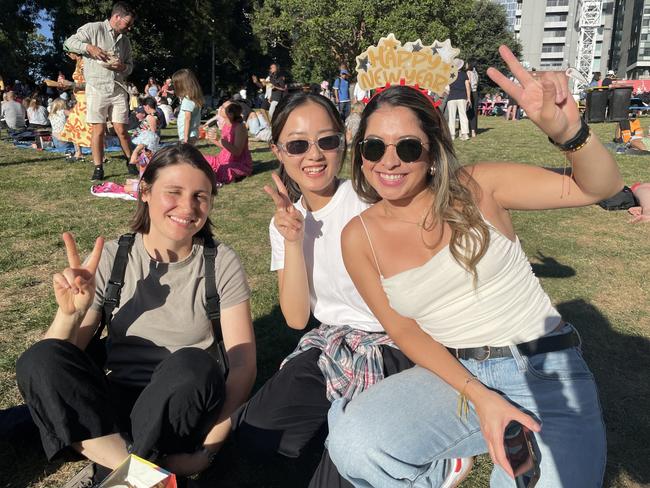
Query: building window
{"x": 555, "y": 18}
{"x": 554, "y": 32}
{"x": 557, "y": 3}
{"x": 645, "y": 23}
{"x": 552, "y": 48}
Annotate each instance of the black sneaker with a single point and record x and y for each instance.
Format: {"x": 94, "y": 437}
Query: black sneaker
{"x": 98, "y": 173}
{"x": 133, "y": 169}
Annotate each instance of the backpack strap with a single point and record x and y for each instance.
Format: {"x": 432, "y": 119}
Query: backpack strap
{"x": 213, "y": 305}
{"x": 212, "y": 300}
{"x": 114, "y": 285}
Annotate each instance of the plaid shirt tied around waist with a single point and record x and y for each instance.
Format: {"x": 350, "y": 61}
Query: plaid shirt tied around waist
{"x": 351, "y": 360}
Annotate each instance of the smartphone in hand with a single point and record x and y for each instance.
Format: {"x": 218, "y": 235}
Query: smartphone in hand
{"x": 519, "y": 445}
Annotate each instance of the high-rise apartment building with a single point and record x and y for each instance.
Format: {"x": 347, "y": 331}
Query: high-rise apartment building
{"x": 631, "y": 42}
{"x": 549, "y": 32}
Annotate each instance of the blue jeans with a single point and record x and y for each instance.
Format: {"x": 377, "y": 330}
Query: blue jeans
{"x": 59, "y": 144}
{"x": 395, "y": 433}
{"x": 344, "y": 109}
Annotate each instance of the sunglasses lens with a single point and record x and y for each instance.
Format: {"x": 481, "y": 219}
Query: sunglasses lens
{"x": 373, "y": 149}
{"x": 329, "y": 143}
{"x": 409, "y": 150}
{"x": 299, "y": 146}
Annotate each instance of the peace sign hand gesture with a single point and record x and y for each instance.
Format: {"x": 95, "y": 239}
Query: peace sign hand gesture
{"x": 543, "y": 95}
{"x": 74, "y": 288}
{"x": 289, "y": 221}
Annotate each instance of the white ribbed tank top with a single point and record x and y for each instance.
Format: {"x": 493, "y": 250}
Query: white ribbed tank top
{"x": 508, "y": 305}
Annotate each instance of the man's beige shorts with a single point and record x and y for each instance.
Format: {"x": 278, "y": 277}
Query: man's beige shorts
{"x": 100, "y": 106}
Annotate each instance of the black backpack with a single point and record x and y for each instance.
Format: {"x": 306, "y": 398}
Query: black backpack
{"x": 97, "y": 346}
{"x": 623, "y": 200}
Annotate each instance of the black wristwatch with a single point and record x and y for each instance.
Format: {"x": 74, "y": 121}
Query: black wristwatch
{"x": 577, "y": 141}
{"x": 209, "y": 454}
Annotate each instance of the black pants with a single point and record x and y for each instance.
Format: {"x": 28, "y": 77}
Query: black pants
{"x": 71, "y": 399}
{"x": 472, "y": 113}
{"x": 291, "y": 408}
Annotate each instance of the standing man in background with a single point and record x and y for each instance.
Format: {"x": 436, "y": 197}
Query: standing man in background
{"x": 278, "y": 87}
{"x": 342, "y": 93}
{"x": 611, "y": 76}
{"x": 108, "y": 62}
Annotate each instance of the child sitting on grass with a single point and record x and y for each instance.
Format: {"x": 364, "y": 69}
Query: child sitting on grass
{"x": 146, "y": 136}
{"x": 58, "y": 116}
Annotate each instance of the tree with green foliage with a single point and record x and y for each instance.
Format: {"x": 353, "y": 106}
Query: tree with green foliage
{"x": 321, "y": 35}
{"x": 169, "y": 35}
{"x": 21, "y": 48}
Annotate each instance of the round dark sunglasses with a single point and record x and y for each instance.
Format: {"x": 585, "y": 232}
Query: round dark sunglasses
{"x": 408, "y": 150}
{"x": 301, "y": 146}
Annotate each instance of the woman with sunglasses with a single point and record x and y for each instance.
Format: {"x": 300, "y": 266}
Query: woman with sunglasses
{"x": 349, "y": 351}
{"x": 438, "y": 261}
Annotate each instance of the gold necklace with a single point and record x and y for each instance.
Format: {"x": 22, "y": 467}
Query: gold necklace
{"x": 420, "y": 223}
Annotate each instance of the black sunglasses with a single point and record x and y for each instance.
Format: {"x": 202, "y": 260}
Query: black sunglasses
{"x": 408, "y": 150}
{"x": 301, "y": 146}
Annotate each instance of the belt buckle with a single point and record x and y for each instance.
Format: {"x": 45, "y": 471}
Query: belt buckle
{"x": 487, "y": 354}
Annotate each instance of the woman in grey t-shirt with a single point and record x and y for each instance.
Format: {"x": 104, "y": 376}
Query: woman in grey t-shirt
{"x": 161, "y": 390}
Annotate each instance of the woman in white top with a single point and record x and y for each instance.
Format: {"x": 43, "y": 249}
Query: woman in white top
{"x": 349, "y": 351}
{"x": 439, "y": 263}
{"x": 37, "y": 114}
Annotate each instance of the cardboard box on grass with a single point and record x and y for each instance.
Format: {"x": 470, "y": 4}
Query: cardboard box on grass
{"x": 136, "y": 472}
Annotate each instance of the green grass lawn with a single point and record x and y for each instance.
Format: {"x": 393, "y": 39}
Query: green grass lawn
{"x": 593, "y": 264}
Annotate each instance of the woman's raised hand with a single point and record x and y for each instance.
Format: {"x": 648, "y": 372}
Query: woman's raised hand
{"x": 74, "y": 287}
{"x": 543, "y": 95}
{"x": 289, "y": 221}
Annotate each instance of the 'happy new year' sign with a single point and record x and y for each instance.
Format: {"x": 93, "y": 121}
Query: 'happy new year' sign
{"x": 389, "y": 63}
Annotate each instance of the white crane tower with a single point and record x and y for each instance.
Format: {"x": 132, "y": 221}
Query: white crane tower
{"x": 590, "y": 11}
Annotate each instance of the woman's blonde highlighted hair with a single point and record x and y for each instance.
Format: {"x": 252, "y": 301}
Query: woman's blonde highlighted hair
{"x": 451, "y": 184}
{"x": 57, "y": 105}
{"x": 186, "y": 85}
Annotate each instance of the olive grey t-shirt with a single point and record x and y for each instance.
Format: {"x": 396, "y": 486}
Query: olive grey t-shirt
{"x": 162, "y": 307}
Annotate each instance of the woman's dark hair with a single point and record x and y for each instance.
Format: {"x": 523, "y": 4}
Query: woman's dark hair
{"x": 286, "y": 106}
{"x": 451, "y": 185}
{"x": 233, "y": 111}
{"x": 150, "y": 102}
{"x": 180, "y": 153}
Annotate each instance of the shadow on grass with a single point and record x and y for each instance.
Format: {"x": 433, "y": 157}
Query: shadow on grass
{"x": 551, "y": 268}
{"x": 621, "y": 364}
{"x": 24, "y": 463}
{"x": 34, "y": 160}
{"x": 264, "y": 166}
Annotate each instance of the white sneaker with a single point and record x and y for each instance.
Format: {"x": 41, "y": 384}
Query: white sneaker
{"x": 83, "y": 479}
{"x": 456, "y": 470}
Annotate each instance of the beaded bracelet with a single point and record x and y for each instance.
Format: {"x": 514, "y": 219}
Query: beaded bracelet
{"x": 577, "y": 142}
